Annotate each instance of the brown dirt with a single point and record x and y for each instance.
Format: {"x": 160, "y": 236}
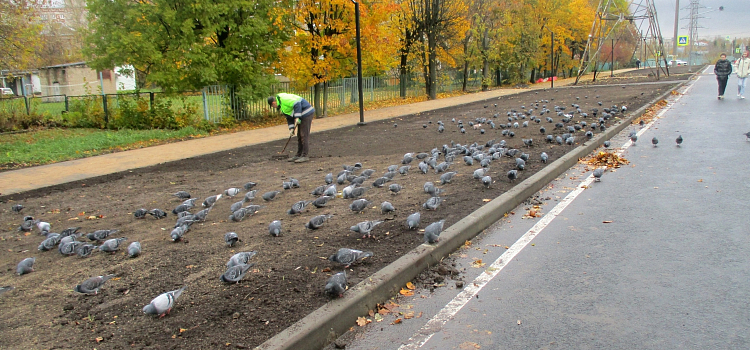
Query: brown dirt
{"x": 43, "y": 312}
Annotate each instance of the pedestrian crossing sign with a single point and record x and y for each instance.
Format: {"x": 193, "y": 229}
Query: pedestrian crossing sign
{"x": 682, "y": 40}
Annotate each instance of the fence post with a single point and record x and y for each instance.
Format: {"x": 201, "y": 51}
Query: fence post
{"x": 151, "y": 100}
{"x": 106, "y": 112}
{"x": 205, "y": 103}
{"x": 67, "y": 109}
{"x": 372, "y": 89}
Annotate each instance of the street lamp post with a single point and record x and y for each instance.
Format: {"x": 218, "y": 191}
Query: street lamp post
{"x": 359, "y": 66}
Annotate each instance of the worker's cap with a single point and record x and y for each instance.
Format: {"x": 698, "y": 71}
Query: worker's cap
{"x": 271, "y": 99}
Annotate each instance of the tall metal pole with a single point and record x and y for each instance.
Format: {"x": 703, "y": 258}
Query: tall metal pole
{"x": 676, "y": 21}
{"x": 359, "y": 67}
{"x": 552, "y": 59}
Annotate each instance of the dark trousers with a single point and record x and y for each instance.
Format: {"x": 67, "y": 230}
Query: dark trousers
{"x": 303, "y": 136}
{"x": 722, "y": 84}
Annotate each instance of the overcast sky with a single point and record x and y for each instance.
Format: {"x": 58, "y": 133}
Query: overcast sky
{"x": 733, "y": 21}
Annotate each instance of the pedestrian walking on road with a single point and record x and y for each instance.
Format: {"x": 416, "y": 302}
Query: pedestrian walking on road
{"x": 743, "y": 70}
{"x": 722, "y": 69}
{"x": 637, "y": 64}
{"x": 299, "y": 115}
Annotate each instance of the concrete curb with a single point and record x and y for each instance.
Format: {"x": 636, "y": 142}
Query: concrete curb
{"x": 318, "y": 328}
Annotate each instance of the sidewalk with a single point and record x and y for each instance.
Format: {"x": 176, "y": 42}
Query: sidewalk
{"x": 22, "y": 180}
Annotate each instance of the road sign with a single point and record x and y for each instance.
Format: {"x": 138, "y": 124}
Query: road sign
{"x": 682, "y": 40}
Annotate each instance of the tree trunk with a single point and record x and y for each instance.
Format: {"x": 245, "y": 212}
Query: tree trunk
{"x": 498, "y": 77}
{"x": 432, "y": 70}
{"x": 316, "y": 99}
{"x": 485, "y": 74}
{"x": 465, "y": 75}
{"x": 325, "y": 99}
{"x": 533, "y": 75}
{"x": 403, "y": 70}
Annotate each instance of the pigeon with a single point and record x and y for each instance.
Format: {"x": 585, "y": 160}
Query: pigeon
{"x": 386, "y": 207}
{"x": 85, "y": 250}
{"x": 512, "y": 175}
{"x": 287, "y": 185}
{"x": 231, "y": 192}
{"x": 140, "y": 213}
{"x": 359, "y": 205}
{"x": 44, "y": 227}
{"x": 430, "y": 188}
{"x": 318, "y": 191}
{"x": 295, "y": 182}
{"x": 408, "y": 158}
{"x": 100, "y": 235}
{"x": 679, "y": 140}
{"x": 231, "y": 238}
{"x": 487, "y": 181}
{"x": 4, "y": 289}
{"x": 178, "y": 232}
{"x": 433, "y": 203}
{"x": 395, "y": 188}
{"x": 162, "y": 304}
{"x": 329, "y": 178}
{"x": 181, "y": 208}
{"x": 607, "y": 144}
{"x": 69, "y": 231}
{"x": 182, "y": 195}
{"x": 330, "y": 191}
{"x": 404, "y": 169}
{"x": 380, "y": 182}
{"x": 25, "y": 266}
{"x": 336, "y": 285}
{"x": 240, "y": 258}
{"x": 365, "y": 227}
{"x": 317, "y": 221}
{"x": 184, "y": 214}
{"x": 50, "y": 242}
{"x": 480, "y": 173}
{"x": 111, "y": 245}
{"x": 238, "y": 215}
{"x": 747, "y": 134}
{"x": 235, "y": 273}
{"x": 633, "y": 137}
{"x": 654, "y": 141}
{"x": 423, "y": 167}
{"x": 520, "y": 164}
{"x": 598, "y": 174}
{"x": 441, "y": 167}
{"x": 249, "y": 196}
{"x": 432, "y": 232}
{"x": 544, "y": 157}
{"x": 190, "y": 202}
{"x": 210, "y": 201}
{"x": 236, "y": 206}
{"x": 447, "y": 177}
{"x": 347, "y": 257}
{"x": 274, "y": 228}
{"x": 17, "y": 208}
{"x": 92, "y": 285}
{"x": 412, "y": 221}
{"x": 134, "y": 249}
{"x": 269, "y": 196}
{"x": 298, "y": 207}
{"x": 321, "y": 201}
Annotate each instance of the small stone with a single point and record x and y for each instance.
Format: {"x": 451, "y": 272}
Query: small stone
{"x": 459, "y": 284}
{"x": 443, "y": 270}
{"x": 236, "y": 315}
{"x": 68, "y": 307}
{"x": 439, "y": 279}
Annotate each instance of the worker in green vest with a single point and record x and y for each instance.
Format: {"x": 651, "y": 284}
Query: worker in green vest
{"x": 299, "y": 115}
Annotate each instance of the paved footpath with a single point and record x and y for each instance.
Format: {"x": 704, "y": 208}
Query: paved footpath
{"x": 655, "y": 256}
{"x": 17, "y": 181}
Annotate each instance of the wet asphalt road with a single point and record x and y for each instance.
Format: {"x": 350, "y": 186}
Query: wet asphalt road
{"x": 655, "y": 256}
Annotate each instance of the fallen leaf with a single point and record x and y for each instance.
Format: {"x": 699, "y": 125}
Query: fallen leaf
{"x": 478, "y": 263}
{"x": 409, "y": 315}
{"x": 607, "y": 221}
{"x": 361, "y": 321}
{"x": 701, "y": 180}
{"x": 378, "y": 318}
{"x": 406, "y": 292}
{"x": 486, "y": 200}
{"x": 410, "y": 286}
{"x": 183, "y": 330}
{"x": 396, "y": 321}
{"x": 384, "y": 311}
{"x": 71, "y": 219}
{"x": 26, "y": 233}
{"x": 371, "y": 313}
{"x": 99, "y": 339}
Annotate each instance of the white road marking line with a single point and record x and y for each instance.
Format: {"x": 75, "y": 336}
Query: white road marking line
{"x": 436, "y": 323}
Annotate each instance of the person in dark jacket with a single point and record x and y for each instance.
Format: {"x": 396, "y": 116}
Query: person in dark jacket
{"x": 722, "y": 69}
{"x": 299, "y": 114}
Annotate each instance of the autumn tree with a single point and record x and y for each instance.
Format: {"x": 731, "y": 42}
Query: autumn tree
{"x": 19, "y": 32}
{"x": 61, "y": 40}
{"x": 188, "y": 45}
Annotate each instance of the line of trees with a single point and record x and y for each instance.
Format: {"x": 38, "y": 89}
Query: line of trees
{"x": 186, "y": 45}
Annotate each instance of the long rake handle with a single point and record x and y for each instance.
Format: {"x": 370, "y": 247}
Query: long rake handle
{"x": 290, "y": 139}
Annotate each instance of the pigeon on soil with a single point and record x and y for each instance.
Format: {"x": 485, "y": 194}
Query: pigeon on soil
{"x": 317, "y": 221}
{"x": 433, "y": 203}
{"x": 359, "y": 205}
{"x": 346, "y": 256}
{"x": 85, "y": 250}
{"x": 274, "y": 228}
{"x": 432, "y": 231}
{"x": 25, "y": 266}
{"x": 241, "y": 258}
{"x": 249, "y": 186}
{"x": 235, "y": 273}
{"x": 679, "y": 140}
{"x": 92, "y": 285}
{"x": 182, "y": 195}
{"x": 111, "y": 245}
{"x": 210, "y": 201}
{"x": 231, "y": 238}
{"x": 386, "y": 207}
{"x": 157, "y": 213}
{"x": 412, "y": 221}
{"x": 162, "y": 304}
{"x": 140, "y": 213}
{"x": 269, "y": 196}
{"x": 134, "y": 249}
{"x": 336, "y": 285}
{"x": 365, "y": 227}
{"x": 298, "y": 207}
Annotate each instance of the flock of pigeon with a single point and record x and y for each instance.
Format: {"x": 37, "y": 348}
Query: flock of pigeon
{"x": 355, "y": 179}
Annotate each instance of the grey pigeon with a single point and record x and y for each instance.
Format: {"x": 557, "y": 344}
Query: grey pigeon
{"x": 182, "y": 195}
{"x": 347, "y": 191}
{"x": 747, "y": 134}
{"x": 274, "y": 228}
{"x": 287, "y": 185}
{"x": 68, "y": 248}
{"x": 479, "y": 173}
{"x": 235, "y": 273}
{"x": 598, "y": 172}
{"x": 633, "y": 137}
{"x": 140, "y": 213}
{"x": 44, "y": 227}
{"x": 441, "y": 167}
{"x": 231, "y": 238}
{"x": 679, "y": 140}
{"x": 607, "y": 144}
{"x": 330, "y": 191}
{"x": 92, "y": 285}
{"x": 336, "y": 285}
{"x": 241, "y": 258}
{"x": 423, "y": 167}
{"x": 17, "y": 208}
{"x": 468, "y": 160}
{"x": 134, "y": 249}
{"x": 100, "y": 235}
{"x": 395, "y": 188}
{"x": 210, "y": 201}
{"x": 654, "y": 141}
{"x": 162, "y": 304}
{"x": 329, "y": 178}
{"x": 157, "y": 213}
{"x": 512, "y": 175}
{"x": 25, "y": 266}
{"x": 321, "y": 201}
{"x": 178, "y": 232}
{"x": 50, "y": 242}
{"x": 433, "y": 203}
{"x": 347, "y": 257}
{"x": 249, "y": 186}
{"x": 184, "y": 214}
{"x": 4, "y": 289}
{"x": 298, "y": 207}
{"x": 318, "y": 191}
{"x": 295, "y": 182}
{"x": 249, "y": 196}
{"x": 269, "y": 196}
{"x": 520, "y": 164}
{"x": 544, "y": 157}
{"x": 201, "y": 215}
{"x": 236, "y": 206}
{"x": 365, "y": 227}
{"x": 404, "y": 169}
{"x": 317, "y": 221}
{"x": 190, "y": 202}
{"x": 238, "y": 215}
{"x": 392, "y": 167}
{"x": 430, "y": 188}
{"x": 359, "y": 205}
{"x": 85, "y": 250}
{"x": 180, "y": 208}
{"x": 408, "y": 158}
{"x": 69, "y": 231}
{"x": 380, "y": 182}
{"x": 367, "y": 172}
{"x": 231, "y": 192}
{"x": 386, "y": 207}
{"x": 357, "y": 192}
{"x": 487, "y": 181}
{"x": 432, "y": 231}
{"x": 412, "y": 221}
{"x": 447, "y": 177}
{"x": 111, "y": 245}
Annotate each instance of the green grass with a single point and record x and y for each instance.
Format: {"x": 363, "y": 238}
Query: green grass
{"x": 55, "y": 145}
